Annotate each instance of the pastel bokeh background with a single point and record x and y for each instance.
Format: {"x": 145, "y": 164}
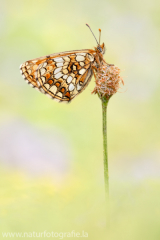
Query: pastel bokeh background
{"x": 51, "y": 157}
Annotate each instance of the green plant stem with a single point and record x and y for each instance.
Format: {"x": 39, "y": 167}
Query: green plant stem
{"x": 105, "y": 153}
{"x": 105, "y": 160}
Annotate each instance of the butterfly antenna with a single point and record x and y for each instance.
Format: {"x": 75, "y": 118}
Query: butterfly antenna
{"x": 99, "y": 35}
{"x": 92, "y": 33}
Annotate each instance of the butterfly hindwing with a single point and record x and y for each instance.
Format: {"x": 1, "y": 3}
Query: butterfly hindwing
{"x": 61, "y": 76}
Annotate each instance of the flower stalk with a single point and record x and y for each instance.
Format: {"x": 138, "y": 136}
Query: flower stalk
{"x": 108, "y": 81}
{"x": 105, "y": 152}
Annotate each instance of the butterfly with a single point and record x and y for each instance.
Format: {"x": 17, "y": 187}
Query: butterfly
{"x": 64, "y": 75}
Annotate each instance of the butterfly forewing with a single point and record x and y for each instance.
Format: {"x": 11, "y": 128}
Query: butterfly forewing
{"x": 61, "y": 76}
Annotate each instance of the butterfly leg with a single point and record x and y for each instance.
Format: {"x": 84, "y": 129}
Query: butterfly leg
{"x": 94, "y": 69}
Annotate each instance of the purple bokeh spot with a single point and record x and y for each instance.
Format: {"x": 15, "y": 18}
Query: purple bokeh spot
{"x": 34, "y": 150}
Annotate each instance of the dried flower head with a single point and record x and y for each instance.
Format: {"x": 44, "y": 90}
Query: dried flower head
{"x": 108, "y": 80}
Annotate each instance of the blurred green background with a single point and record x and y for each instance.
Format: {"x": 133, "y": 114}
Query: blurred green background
{"x": 51, "y": 157}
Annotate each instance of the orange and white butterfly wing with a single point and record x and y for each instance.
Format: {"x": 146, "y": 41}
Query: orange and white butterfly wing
{"x": 61, "y": 76}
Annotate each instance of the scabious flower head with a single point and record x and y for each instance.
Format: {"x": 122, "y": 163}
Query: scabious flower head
{"x": 108, "y": 80}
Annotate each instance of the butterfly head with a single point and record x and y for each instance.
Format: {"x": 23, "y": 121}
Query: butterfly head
{"x": 101, "y": 48}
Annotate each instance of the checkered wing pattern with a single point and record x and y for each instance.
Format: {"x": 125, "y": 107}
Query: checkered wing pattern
{"x": 61, "y": 76}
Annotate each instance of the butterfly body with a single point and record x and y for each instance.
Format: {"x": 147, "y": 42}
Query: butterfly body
{"x": 63, "y": 75}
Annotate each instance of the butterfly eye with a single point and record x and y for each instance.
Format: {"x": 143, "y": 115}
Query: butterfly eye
{"x": 99, "y": 49}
